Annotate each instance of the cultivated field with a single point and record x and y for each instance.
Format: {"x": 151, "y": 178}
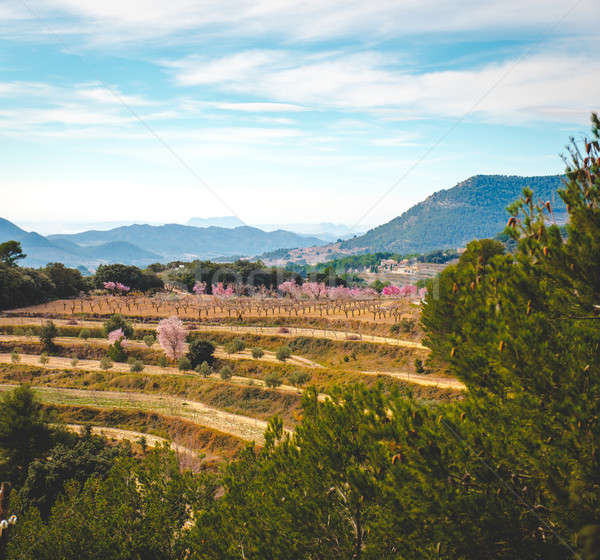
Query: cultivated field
{"x": 329, "y": 343}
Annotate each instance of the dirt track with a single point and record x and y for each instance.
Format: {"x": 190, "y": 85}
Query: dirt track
{"x": 243, "y": 427}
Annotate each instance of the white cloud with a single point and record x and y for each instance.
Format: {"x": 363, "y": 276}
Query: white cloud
{"x": 115, "y": 20}
{"x": 260, "y": 107}
{"x": 551, "y": 86}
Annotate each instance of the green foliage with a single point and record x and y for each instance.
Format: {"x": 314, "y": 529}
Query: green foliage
{"x": 257, "y": 353}
{"x": 184, "y": 364}
{"x": 115, "y": 322}
{"x": 136, "y": 366}
{"x": 44, "y": 358}
{"x": 85, "y": 334}
{"x": 10, "y": 253}
{"x": 15, "y": 358}
{"x": 116, "y": 352}
{"x": 23, "y": 432}
{"x": 200, "y": 351}
{"x": 163, "y": 361}
{"x": 68, "y": 282}
{"x": 139, "y": 509}
{"x": 105, "y": 363}
{"x": 74, "y": 361}
{"x": 149, "y": 340}
{"x": 236, "y": 345}
{"x": 283, "y": 353}
{"x": 48, "y": 332}
{"x": 273, "y": 380}
{"x": 203, "y": 369}
{"x": 419, "y": 368}
{"x": 299, "y": 378}
{"x": 131, "y": 276}
{"x": 226, "y": 373}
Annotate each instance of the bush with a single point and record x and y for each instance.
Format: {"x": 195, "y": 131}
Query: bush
{"x": 184, "y": 364}
{"x": 14, "y": 357}
{"x": 283, "y": 353}
{"x": 226, "y": 373}
{"x": 48, "y": 333}
{"x": 136, "y": 366}
{"x": 299, "y": 378}
{"x": 272, "y": 380}
{"x": 204, "y": 369}
{"x": 85, "y": 334}
{"x": 149, "y": 340}
{"x": 419, "y": 366}
{"x": 238, "y": 344}
{"x": 395, "y": 328}
{"x": 74, "y": 361}
{"x": 163, "y": 361}
{"x": 115, "y": 322}
{"x": 44, "y": 358}
{"x": 105, "y": 363}
{"x": 408, "y": 324}
{"x": 200, "y": 351}
{"x": 257, "y": 353}
{"x": 116, "y": 352}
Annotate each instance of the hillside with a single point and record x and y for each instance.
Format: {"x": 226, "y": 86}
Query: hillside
{"x": 475, "y": 208}
{"x": 174, "y": 241}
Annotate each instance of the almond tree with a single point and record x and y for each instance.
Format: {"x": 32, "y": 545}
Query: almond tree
{"x": 171, "y": 337}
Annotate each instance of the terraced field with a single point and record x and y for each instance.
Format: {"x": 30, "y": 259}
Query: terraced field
{"x": 235, "y": 408}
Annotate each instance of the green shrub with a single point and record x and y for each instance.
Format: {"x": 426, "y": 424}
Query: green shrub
{"x": 149, "y": 340}
{"x": 283, "y": 353}
{"x": 48, "y": 333}
{"x": 85, "y": 334}
{"x": 273, "y": 380}
{"x": 74, "y": 361}
{"x": 200, "y": 351}
{"x": 184, "y": 364}
{"x": 19, "y": 331}
{"x": 15, "y": 358}
{"x": 299, "y": 378}
{"x": 106, "y": 363}
{"x": 257, "y": 353}
{"x": 236, "y": 345}
{"x": 136, "y": 366}
{"x": 163, "y": 361}
{"x": 419, "y": 366}
{"x": 44, "y": 358}
{"x": 226, "y": 373}
{"x": 115, "y": 322}
{"x": 204, "y": 369}
{"x": 116, "y": 352}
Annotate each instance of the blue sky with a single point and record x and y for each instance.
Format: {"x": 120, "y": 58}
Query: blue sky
{"x": 281, "y": 112}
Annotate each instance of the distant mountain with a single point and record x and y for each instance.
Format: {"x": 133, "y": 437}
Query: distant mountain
{"x": 40, "y": 250}
{"x": 323, "y": 230}
{"x": 222, "y": 221}
{"x": 473, "y": 209}
{"x": 178, "y": 242}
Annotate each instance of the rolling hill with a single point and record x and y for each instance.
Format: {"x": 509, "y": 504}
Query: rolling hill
{"x": 179, "y": 242}
{"x": 475, "y": 208}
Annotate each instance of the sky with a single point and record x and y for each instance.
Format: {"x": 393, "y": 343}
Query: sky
{"x": 278, "y": 112}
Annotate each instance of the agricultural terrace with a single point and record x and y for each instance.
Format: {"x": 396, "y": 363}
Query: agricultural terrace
{"x": 116, "y": 359}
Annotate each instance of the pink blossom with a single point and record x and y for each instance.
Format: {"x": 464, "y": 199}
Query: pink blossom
{"x": 391, "y": 291}
{"x": 117, "y": 336}
{"x": 289, "y": 287}
{"x": 314, "y": 290}
{"x": 109, "y": 286}
{"x": 199, "y": 288}
{"x": 219, "y": 290}
{"x": 122, "y": 287}
{"x": 422, "y": 293}
{"x": 171, "y": 337}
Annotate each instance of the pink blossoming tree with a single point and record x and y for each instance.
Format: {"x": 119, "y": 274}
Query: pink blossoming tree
{"x": 171, "y": 337}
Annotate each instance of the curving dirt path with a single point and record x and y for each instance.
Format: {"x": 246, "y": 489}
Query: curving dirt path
{"x": 425, "y": 380}
{"x": 348, "y": 336}
{"x": 243, "y": 427}
{"x": 129, "y": 435}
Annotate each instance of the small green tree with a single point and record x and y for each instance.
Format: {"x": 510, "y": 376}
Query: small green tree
{"x": 273, "y": 380}
{"x": 204, "y": 369}
{"x": 283, "y": 353}
{"x": 85, "y": 334}
{"x": 48, "y": 332}
{"x": 15, "y": 358}
{"x": 226, "y": 373}
{"x": 105, "y": 363}
{"x": 200, "y": 351}
{"x": 149, "y": 340}
{"x": 115, "y": 322}
{"x": 44, "y": 358}
{"x": 184, "y": 364}
{"x": 299, "y": 378}
{"x": 257, "y": 353}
